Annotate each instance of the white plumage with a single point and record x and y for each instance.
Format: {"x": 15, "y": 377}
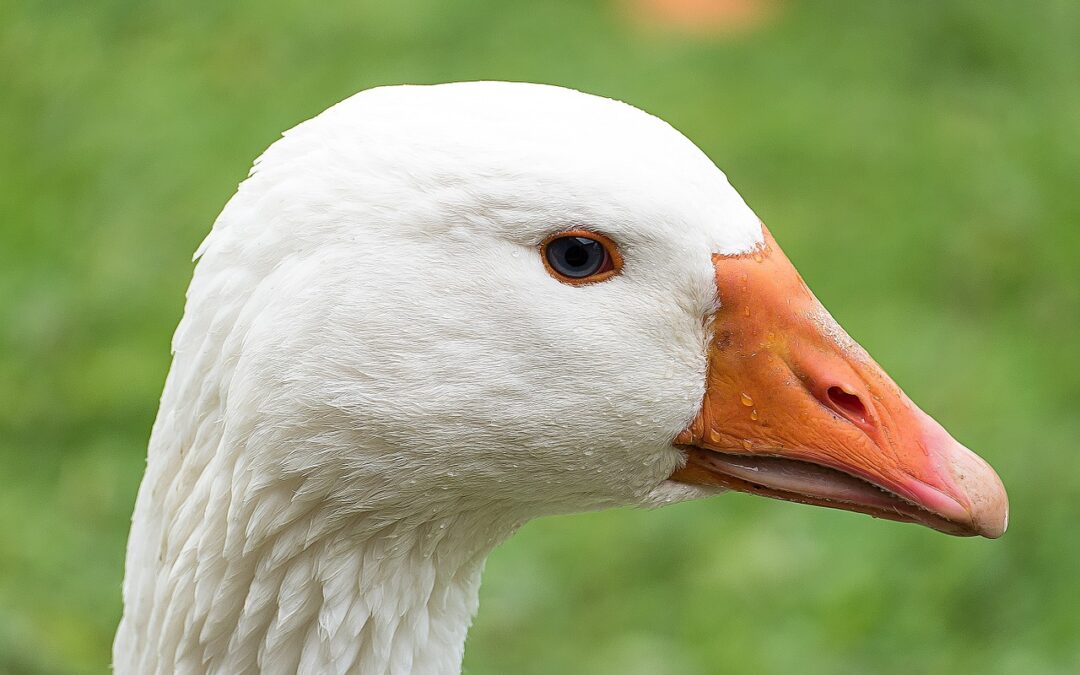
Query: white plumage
{"x": 375, "y": 380}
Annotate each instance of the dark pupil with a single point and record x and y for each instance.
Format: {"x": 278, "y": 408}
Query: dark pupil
{"x": 575, "y": 257}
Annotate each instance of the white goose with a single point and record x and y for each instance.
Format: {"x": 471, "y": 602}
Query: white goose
{"x": 433, "y": 313}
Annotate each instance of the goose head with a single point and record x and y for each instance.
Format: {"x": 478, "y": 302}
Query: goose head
{"x": 527, "y": 299}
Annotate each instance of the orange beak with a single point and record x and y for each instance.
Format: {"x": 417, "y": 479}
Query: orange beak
{"x": 794, "y": 409}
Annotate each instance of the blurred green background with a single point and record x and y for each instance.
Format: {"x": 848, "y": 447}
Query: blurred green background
{"x": 918, "y": 160}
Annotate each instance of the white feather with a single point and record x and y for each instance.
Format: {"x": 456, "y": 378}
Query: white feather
{"x": 375, "y": 380}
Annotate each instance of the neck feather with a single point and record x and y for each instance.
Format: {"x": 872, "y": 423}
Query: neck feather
{"x": 232, "y": 568}
{"x": 362, "y": 595}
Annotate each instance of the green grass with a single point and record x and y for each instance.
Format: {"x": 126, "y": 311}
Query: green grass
{"x": 918, "y": 160}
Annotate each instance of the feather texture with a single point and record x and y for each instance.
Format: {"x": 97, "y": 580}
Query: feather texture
{"x": 375, "y": 381}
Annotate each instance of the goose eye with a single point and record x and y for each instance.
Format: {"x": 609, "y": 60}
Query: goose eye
{"x": 580, "y": 257}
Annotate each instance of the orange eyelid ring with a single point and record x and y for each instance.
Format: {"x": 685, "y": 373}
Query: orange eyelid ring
{"x": 612, "y": 263}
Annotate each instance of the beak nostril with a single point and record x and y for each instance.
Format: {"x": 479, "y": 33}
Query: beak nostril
{"x": 849, "y": 405}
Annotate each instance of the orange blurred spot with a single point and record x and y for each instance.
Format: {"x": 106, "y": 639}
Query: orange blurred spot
{"x": 703, "y": 16}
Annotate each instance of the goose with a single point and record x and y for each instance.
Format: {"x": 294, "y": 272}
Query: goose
{"x": 433, "y": 313}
